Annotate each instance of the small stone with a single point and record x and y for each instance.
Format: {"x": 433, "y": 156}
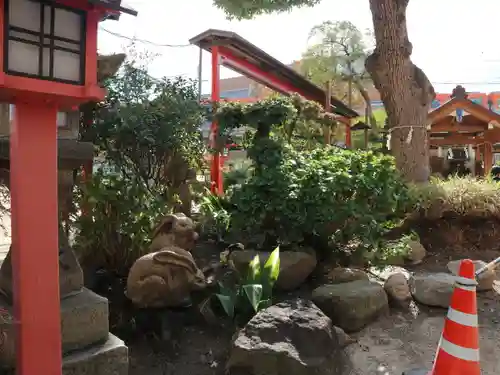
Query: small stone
{"x": 417, "y": 252}
{"x": 384, "y": 272}
{"x": 487, "y": 279}
{"x": 397, "y": 288}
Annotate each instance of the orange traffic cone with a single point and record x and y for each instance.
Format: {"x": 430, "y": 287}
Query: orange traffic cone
{"x": 458, "y": 349}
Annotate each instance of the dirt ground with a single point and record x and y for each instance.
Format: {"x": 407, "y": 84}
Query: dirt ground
{"x": 397, "y": 342}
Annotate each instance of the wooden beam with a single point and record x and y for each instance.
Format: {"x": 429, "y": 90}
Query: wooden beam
{"x": 457, "y": 127}
{"x": 456, "y": 140}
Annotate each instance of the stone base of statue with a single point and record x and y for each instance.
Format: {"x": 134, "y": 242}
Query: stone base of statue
{"x": 88, "y": 347}
{"x": 106, "y": 358}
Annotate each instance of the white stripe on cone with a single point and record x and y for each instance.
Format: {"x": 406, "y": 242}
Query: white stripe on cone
{"x": 465, "y": 281}
{"x": 459, "y": 352}
{"x": 469, "y": 288}
{"x": 469, "y": 320}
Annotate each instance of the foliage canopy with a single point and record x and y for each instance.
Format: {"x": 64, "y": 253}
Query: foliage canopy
{"x": 247, "y": 9}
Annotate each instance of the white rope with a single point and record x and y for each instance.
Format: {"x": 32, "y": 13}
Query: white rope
{"x": 410, "y": 133}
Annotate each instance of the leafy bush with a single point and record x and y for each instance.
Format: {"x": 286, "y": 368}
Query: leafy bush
{"x": 236, "y": 176}
{"x": 332, "y": 193}
{"x": 215, "y": 219}
{"x": 254, "y": 293}
{"x": 297, "y": 121}
{"x": 393, "y": 251}
{"x": 457, "y": 196}
{"x": 147, "y": 130}
{"x": 115, "y": 231}
{"x": 321, "y": 197}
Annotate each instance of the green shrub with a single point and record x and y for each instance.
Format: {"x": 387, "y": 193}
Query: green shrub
{"x": 215, "y": 218}
{"x": 332, "y": 193}
{"x": 393, "y": 251}
{"x": 300, "y": 191}
{"x": 147, "y": 130}
{"x": 116, "y": 228}
{"x": 236, "y": 176}
{"x": 254, "y": 293}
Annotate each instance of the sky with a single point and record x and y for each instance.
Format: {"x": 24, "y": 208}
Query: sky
{"x": 453, "y": 40}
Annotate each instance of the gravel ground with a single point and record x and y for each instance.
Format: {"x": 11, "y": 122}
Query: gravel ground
{"x": 397, "y": 342}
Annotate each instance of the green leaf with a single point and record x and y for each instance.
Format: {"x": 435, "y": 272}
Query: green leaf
{"x": 254, "y": 294}
{"x": 227, "y": 303}
{"x": 253, "y": 275}
{"x": 271, "y": 269}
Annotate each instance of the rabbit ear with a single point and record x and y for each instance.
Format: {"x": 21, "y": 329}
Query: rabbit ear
{"x": 165, "y": 226}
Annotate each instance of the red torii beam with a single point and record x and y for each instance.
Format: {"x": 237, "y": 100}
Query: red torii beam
{"x": 235, "y": 52}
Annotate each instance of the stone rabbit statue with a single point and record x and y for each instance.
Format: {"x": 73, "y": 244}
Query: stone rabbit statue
{"x": 166, "y": 276}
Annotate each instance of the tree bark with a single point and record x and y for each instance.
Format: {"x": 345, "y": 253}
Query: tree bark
{"x": 368, "y": 103}
{"x": 404, "y": 88}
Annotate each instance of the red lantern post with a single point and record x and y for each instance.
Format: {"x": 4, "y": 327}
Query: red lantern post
{"x": 49, "y": 63}
{"x": 216, "y": 172}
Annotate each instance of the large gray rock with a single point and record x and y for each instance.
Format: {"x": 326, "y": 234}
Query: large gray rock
{"x": 486, "y": 280}
{"x": 352, "y": 305}
{"x": 290, "y": 338}
{"x": 344, "y": 275}
{"x": 295, "y": 266}
{"x": 433, "y": 289}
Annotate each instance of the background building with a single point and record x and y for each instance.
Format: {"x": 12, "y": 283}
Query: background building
{"x": 244, "y": 88}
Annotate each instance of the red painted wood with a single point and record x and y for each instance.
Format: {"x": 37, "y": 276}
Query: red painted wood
{"x": 216, "y": 171}
{"x": 348, "y": 135}
{"x": 91, "y": 48}
{"x": 33, "y": 174}
{"x": 252, "y": 71}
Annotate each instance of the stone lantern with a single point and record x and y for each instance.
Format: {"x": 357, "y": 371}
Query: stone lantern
{"x": 48, "y": 67}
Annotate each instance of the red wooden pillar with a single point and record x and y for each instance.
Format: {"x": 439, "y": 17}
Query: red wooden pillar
{"x": 33, "y": 173}
{"x": 216, "y": 171}
{"x": 488, "y": 158}
{"x": 348, "y": 134}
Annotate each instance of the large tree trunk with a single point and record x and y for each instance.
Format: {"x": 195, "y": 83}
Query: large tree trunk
{"x": 404, "y": 88}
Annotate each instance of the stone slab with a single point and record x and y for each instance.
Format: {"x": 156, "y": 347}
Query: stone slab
{"x": 84, "y": 321}
{"x": 107, "y": 358}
